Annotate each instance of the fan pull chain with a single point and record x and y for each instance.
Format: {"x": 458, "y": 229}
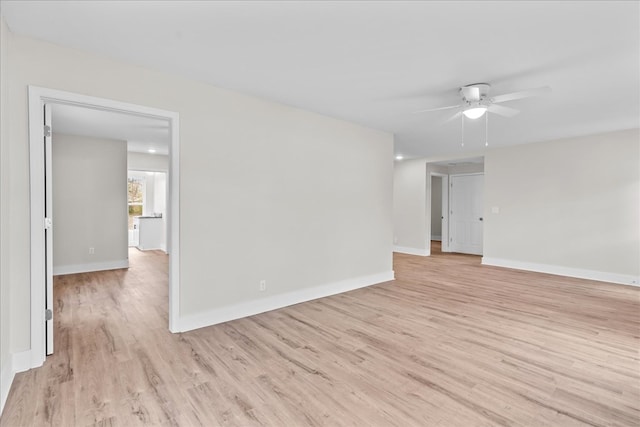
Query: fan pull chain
{"x": 486, "y": 129}
{"x": 462, "y": 136}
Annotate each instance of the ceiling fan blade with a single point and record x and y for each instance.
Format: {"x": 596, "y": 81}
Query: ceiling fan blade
{"x": 501, "y": 110}
{"x": 455, "y": 116}
{"x": 437, "y": 109}
{"x": 470, "y": 93}
{"x": 522, "y": 94}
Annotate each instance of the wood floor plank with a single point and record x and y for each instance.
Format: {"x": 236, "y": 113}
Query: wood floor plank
{"x": 449, "y": 343}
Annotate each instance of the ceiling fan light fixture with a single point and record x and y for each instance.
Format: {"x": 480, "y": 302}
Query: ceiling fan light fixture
{"x": 475, "y": 112}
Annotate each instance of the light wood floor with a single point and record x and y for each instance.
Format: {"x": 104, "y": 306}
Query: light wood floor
{"x": 449, "y": 343}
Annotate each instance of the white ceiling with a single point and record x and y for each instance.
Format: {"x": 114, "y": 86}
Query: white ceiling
{"x": 375, "y": 62}
{"x": 141, "y": 133}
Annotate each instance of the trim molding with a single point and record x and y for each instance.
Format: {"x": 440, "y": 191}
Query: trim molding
{"x": 437, "y": 238}
{"x": 250, "y": 308}
{"x": 411, "y": 251}
{"x": 18, "y": 362}
{"x": 602, "y": 276}
{"x": 38, "y": 97}
{"x": 92, "y": 266}
{"x": 21, "y": 361}
{"x": 6, "y": 380}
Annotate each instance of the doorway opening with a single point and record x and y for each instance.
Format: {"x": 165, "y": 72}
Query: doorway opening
{"x": 437, "y": 216}
{"x": 438, "y": 213}
{"x": 454, "y": 212}
{"x": 146, "y": 208}
{"x": 40, "y": 192}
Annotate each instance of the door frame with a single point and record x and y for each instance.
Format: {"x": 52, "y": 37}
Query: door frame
{"x": 444, "y": 214}
{"x": 38, "y": 97}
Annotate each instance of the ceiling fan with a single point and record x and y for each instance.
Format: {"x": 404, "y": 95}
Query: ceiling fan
{"x": 476, "y": 101}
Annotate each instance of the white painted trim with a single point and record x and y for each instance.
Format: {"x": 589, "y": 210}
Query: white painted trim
{"x": 250, "y": 308}
{"x": 411, "y": 251}
{"x": 38, "y": 96}
{"x": 437, "y": 238}
{"x": 6, "y": 380}
{"x": 92, "y": 266}
{"x": 444, "y": 238}
{"x": 173, "y": 223}
{"x": 21, "y": 361}
{"x": 37, "y": 248}
{"x": 445, "y": 210}
{"x": 602, "y": 276}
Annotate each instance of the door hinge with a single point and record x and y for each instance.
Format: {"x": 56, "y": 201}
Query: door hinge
{"x": 48, "y": 223}
{"x": 47, "y": 131}
{"x": 48, "y": 314}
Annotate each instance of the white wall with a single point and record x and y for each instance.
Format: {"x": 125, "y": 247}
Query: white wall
{"x": 149, "y": 195}
{"x": 160, "y": 204}
{"x": 147, "y": 162}
{"x": 6, "y": 368}
{"x": 89, "y": 203}
{"x": 566, "y": 207}
{"x": 266, "y": 191}
{"x": 410, "y": 207}
{"x": 160, "y": 192}
{"x": 569, "y": 206}
{"x": 462, "y": 168}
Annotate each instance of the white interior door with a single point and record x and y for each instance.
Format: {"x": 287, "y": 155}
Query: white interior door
{"x": 48, "y": 229}
{"x": 466, "y": 217}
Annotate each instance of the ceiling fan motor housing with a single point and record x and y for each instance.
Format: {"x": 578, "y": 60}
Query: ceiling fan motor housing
{"x": 475, "y": 92}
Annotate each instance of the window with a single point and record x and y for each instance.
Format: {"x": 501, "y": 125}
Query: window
{"x": 135, "y": 197}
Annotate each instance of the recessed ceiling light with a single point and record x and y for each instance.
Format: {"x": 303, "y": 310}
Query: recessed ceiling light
{"x": 399, "y": 157}
{"x": 151, "y": 150}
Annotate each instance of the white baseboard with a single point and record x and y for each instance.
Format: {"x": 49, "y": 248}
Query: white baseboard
{"x": 92, "y": 266}
{"x": 250, "y": 308}
{"x": 437, "y": 238}
{"x": 19, "y": 362}
{"x": 601, "y": 276}
{"x": 6, "y": 379}
{"x": 411, "y": 251}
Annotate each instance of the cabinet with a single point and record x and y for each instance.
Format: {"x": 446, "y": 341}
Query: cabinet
{"x": 149, "y": 231}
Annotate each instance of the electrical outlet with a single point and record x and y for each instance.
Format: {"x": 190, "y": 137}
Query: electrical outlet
{"x": 263, "y": 285}
{"x": 92, "y": 251}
